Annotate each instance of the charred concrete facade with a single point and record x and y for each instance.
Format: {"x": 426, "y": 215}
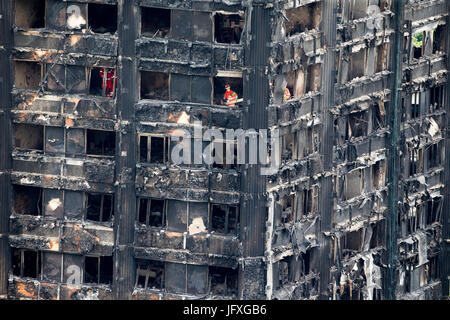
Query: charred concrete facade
{"x": 92, "y": 207}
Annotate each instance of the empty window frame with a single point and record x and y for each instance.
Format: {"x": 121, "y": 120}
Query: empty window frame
{"x": 149, "y": 274}
{"x": 357, "y": 64}
{"x": 228, "y": 27}
{"x": 437, "y": 98}
{"x": 100, "y": 143}
{"x": 236, "y": 85}
{"x": 154, "y": 149}
{"x": 314, "y": 77}
{"x": 288, "y": 147}
{"x": 29, "y": 14}
{"x": 152, "y": 212}
{"x": 307, "y": 141}
{"x": 27, "y": 200}
{"x": 439, "y": 39}
{"x": 219, "y": 154}
{"x": 27, "y": 74}
{"x": 28, "y": 136}
{"x": 288, "y": 208}
{"x": 378, "y": 116}
{"x": 98, "y": 270}
{"x": 377, "y": 238}
{"x": 353, "y": 184}
{"x": 103, "y": 82}
{"x": 102, "y": 18}
{"x": 418, "y": 41}
{"x": 415, "y": 161}
{"x": 434, "y": 155}
{"x": 223, "y": 281}
{"x": 224, "y": 218}
{"x": 154, "y": 85}
{"x": 415, "y": 105}
{"x": 357, "y": 125}
{"x": 309, "y": 201}
{"x": 155, "y": 22}
{"x": 352, "y": 241}
{"x": 99, "y": 207}
{"x": 379, "y": 175}
{"x": 303, "y": 18}
{"x": 382, "y": 57}
{"x": 27, "y": 263}
{"x": 290, "y": 269}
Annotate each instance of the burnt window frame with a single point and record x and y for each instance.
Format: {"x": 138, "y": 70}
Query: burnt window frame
{"x": 166, "y": 148}
{"x": 102, "y": 202}
{"x": 140, "y": 71}
{"x": 42, "y": 73}
{"x": 415, "y": 107}
{"x": 149, "y": 212}
{"x": 224, "y": 165}
{"x": 86, "y": 130}
{"x": 226, "y": 231}
{"x": 40, "y": 201}
{"x": 39, "y": 263}
{"x": 28, "y": 149}
{"x": 229, "y": 272}
{"x": 103, "y": 90}
{"x": 32, "y": 28}
{"x": 92, "y": 4}
{"x": 144, "y": 272}
{"x": 437, "y": 97}
{"x": 214, "y": 31}
{"x": 415, "y": 158}
{"x": 141, "y": 13}
{"x": 99, "y": 270}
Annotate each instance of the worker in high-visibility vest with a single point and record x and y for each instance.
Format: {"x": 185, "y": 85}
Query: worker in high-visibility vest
{"x": 286, "y": 95}
{"x": 230, "y": 96}
{"x": 109, "y": 81}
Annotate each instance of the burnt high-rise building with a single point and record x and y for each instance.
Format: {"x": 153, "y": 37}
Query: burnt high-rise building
{"x": 93, "y": 205}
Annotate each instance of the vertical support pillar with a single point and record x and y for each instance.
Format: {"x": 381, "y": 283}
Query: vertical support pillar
{"x": 444, "y": 257}
{"x": 253, "y": 184}
{"x": 6, "y": 39}
{"x": 327, "y": 139}
{"x": 127, "y": 95}
{"x": 394, "y": 116}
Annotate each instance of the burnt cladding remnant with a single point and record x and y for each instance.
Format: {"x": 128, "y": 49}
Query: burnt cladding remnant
{"x": 93, "y": 94}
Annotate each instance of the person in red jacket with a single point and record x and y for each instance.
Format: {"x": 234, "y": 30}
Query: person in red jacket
{"x": 230, "y": 96}
{"x": 109, "y": 81}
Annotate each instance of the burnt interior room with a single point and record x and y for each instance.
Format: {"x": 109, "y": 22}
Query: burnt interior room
{"x": 155, "y": 22}
{"x": 98, "y": 270}
{"x": 236, "y": 85}
{"x": 102, "y": 18}
{"x": 228, "y": 28}
{"x": 29, "y": 14}
{"x": 27, "y": 74}
{"x": 154, "y": 149}
{"x": 100, "y": 207}
{"x": 28, "y": 136}
{"x": 303, "y": 18}
{"x": 154, "y": 85}
{"x": 100, "y": 142}
{"x": 151, "y": 212}
{"x": 27, "y": 200}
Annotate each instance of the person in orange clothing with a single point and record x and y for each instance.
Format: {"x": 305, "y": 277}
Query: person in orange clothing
{"x": 109, "y": 81}
{"x": 230, "y": 96}
{"x": 286, "y": 95}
